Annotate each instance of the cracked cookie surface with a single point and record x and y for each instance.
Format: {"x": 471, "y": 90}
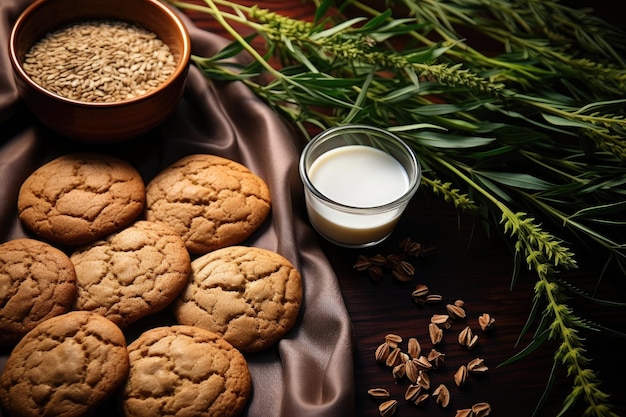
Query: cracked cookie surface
{"x": 37, "y": 282}
{"x": 212, "y": 202}
{"x": 251, "y": 296}
{"x": 185, "y": 370}
{"x": 80, "y": 197}
{"x": 65, "y": 366}
{"x": 133, "y": 273}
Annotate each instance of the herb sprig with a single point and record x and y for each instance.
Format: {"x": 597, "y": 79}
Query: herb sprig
{"x": 532, "y": 137}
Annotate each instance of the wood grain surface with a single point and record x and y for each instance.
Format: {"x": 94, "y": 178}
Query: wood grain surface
{"x": 470, "y": 265}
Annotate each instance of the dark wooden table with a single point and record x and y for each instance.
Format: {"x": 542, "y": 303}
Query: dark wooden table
{"x": 476, "y": 268}
{"x": 471, "y": 266}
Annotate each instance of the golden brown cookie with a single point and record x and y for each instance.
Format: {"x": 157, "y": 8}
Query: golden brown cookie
{"x": 37, "y": 282}
{"x": 185, "y": 370}
{"x": 212, "y": 202}
{"x": 133, "y": 273}
{"x": 65, "y": 366}
{"x": 250, "y": 296}
{"x": 80, "y": 197}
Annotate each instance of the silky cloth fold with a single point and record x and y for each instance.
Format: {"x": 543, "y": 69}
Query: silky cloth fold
{"x": 310, "y": 371}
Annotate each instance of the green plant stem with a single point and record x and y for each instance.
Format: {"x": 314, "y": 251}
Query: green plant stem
{"x": 219, "y": 16}
{"x": 466, "y": 53}
{"x": 599, "y": 126}
{"x": 604, "y": 241}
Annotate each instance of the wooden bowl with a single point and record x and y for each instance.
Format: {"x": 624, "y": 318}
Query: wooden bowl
{"x": 97, "y": 121}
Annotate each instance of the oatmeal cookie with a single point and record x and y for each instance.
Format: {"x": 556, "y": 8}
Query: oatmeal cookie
{"x": 66, "y": 366}
{"x": 212, "y": 202}
{"x": 185, "y": 370}
{"x": 37, "y": 282}
{"x": 250, "y": 296}
{"x": 131, "y": 274}
{"x": 80, "y": 197}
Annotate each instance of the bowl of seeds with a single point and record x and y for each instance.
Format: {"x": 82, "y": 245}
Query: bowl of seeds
{"x": 100, "y": 70}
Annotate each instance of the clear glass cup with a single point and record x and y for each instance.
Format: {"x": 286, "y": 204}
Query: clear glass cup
{"x": 358, "y": 180}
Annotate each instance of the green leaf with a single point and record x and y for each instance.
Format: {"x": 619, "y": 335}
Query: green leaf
{"x": 231, "y": 49}
{"x": 548, "y": 388}
{"x": 518, "y": 115}
{"x": 301, "y": 56}
{"x": 321, "y": 9}
{"x": 417, "y": 126}
{"x": 441, "y": 109}
{"x": 436, "y": 140}
{"x": 595, "y": 300}
{"x": 334, "y": 30}
{"x": 604, "y": 209}
{"x": 530, "y": 348}
{"x": 601, "y": 104}
{"x": 497, "y": 191}
{"x": 401, "y": 94}
{"x": 570, "y": 400}
{"x": 424, "y": 56}
{"x": 495, "y": 152}
{"x": 517, "y": 180}
{"x": 517, "y": 267}
{"x": 401, "y": 26}
{"x": 359, "y": 101}
{"x": 562, "y": 121}
{"x": 377, "y": 21}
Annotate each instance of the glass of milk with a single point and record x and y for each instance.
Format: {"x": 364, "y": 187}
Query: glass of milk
{"x": 358, "y": 180}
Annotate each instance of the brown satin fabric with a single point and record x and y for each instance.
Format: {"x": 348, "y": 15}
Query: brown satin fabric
{"x": 310, "y": 371}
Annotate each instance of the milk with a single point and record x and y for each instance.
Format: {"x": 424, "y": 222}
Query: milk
{"x": 362, "y": 177}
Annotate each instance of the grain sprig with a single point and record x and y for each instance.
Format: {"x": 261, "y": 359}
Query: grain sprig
{"x": 521, "y": 26}
{"x": 350, "y": 45}
{"x": 452, "y": 195}
{"x": 562, "y": 327}
{"x": 545, "y": 254}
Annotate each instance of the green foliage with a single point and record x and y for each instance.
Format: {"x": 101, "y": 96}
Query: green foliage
{"x": 532, "y": 136}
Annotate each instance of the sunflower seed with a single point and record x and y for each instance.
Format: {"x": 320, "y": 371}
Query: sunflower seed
{"x": 378, "y": 260}
{"x": 481, "y": 409}
{"x": 382, "y": 352}
{"x": 435, "y": 333}
{"x": 412, "y": 392}
{"x": 399, "y": 371}
{"x": 394, "y": 358}
{"x": 362, "y": 263}
{"x": 433, "y": 298}
{"x": 421, "y": 290}
{"x": 467, "y": 338}
{"x": 393, "y": 340}
{"x": 477, "y": 366}
{"x": 388, "y": 408}
{"x": 378, "y": 393}
{"x": 423, "y": 380}
{"x": 486, "y": 322}
{"x": 412, "y": 371}
{"x": 460, "y": 376}
{"x": 436, "y": 358}
{"x": 443, "y": 395}
{"x": 455, "y": 311}
{"x": 440, "y": 319}
{"x": 423, "y": 364}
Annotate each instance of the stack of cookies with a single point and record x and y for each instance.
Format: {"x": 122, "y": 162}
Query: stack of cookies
{"x": 107, "y": 251}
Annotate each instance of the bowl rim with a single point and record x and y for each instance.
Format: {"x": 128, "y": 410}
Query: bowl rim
{"x": 181, "y": 66}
